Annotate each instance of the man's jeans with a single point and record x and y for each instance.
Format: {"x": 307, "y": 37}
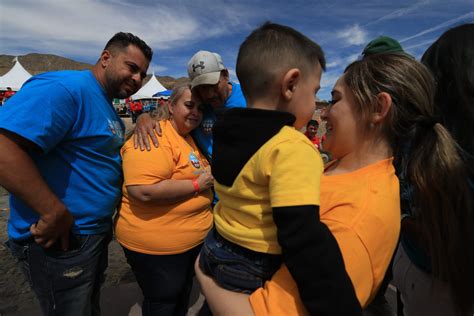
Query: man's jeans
{"x": 65, "y": 283}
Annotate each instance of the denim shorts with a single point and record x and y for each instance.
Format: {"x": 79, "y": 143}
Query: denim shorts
{"x": 234, "y": 267}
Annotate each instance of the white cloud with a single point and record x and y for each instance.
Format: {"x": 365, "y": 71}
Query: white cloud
{"x": 336, "y": 62}
{"x": 327, "y": 83}
{"x": 156, "y": 69}
{"x": 84, "y": 26}
{"x": 351, "y": 58}
{"x": 354, "y": 35}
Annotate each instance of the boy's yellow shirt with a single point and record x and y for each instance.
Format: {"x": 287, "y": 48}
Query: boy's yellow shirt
{"x": 285, "y": 171}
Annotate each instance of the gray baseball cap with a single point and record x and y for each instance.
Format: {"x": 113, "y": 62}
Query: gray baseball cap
{"x": 205, "y": 68}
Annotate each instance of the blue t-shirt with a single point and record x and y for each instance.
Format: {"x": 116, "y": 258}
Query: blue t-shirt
{"x": 203, "y": 134}
{"x": 69, "y": 116}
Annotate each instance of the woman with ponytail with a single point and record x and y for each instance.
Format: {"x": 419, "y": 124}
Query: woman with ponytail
{"x": 434, "y": 265}
{"x": 384, "y": 105}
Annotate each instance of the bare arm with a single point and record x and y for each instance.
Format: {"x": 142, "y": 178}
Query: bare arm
{"x": 20, "y": 176}
{"x": 146, "y": 127}
{"x": 170, "y": 191}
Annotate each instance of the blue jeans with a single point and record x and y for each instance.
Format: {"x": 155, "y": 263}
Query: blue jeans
{"x": 65, "y": 282}
{"x": 166, "y": 280}
{"x": 234, "y": 267}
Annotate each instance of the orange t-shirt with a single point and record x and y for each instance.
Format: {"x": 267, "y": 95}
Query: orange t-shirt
{"x": 148, "y": 227}
{"x": 362, "y": 210}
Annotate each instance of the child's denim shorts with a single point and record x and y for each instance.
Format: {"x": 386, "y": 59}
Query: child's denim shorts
{"x": 234, "y": 267}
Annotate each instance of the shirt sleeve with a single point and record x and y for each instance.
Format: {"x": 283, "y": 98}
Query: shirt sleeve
{"x": 294, "y": 169}
{"x": 280, "y": 295}
{"x": 42, "y": 112}
{"x": 147, "y": 167}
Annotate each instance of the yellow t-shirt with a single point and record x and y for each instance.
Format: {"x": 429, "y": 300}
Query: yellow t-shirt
{"x": 362, "y": 210}
{"x": 285, "y": 171}
{"x": 150, "y": 228}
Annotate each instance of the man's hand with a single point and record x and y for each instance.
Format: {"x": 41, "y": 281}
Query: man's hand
{"x": 146, "y": 127}
{"x": 53, "y": 227}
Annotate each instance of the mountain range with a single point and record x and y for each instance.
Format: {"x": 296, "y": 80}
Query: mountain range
{"x": 36, "y": 63}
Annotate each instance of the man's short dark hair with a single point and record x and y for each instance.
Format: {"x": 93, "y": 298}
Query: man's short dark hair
{"x": 271, "y": 50}
{"x": 313, "y": 123}
{"x": 122, "y": 40}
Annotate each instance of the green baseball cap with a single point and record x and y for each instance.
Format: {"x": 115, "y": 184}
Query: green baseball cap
{"x": 383, "y": 44}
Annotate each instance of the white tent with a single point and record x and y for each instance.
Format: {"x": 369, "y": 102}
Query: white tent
{"x": 152, "y": 87}
{"x": 15, "y": 78}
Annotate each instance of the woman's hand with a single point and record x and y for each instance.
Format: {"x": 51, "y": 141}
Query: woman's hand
{"x": 146, "y": 127}
{"x": 205, "y": 180}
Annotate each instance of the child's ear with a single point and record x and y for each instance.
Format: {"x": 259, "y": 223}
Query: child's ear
{"x": 289, "y": 82}
{"x": 170, "y": 109}
{"x": 384, "y": 103}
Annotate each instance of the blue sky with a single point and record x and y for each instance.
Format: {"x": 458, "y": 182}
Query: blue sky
{"x": 176, "y": 29}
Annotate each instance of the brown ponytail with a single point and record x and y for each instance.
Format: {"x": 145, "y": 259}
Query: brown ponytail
{"x": 429, "y": 157}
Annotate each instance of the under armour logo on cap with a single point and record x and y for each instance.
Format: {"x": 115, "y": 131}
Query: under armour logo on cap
{"x": 201, "y": 65}
{"x": 205, "y": 68}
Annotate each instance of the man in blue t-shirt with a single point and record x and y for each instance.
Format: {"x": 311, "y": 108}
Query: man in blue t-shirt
{"x": 61, "y": 140}
{"x": 210, "y": 81}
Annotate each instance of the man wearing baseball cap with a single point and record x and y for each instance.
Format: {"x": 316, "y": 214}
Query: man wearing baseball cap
{"x": 210, "y": 81}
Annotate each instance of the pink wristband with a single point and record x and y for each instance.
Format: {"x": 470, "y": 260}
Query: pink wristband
{"x": 196, "y": 187}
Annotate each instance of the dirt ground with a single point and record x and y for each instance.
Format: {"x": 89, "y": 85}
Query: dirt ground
{"x": 15, "y": 293}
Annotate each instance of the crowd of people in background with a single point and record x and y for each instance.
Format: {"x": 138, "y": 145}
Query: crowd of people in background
{"x": 229, "y": 182}
{"x": 5, "y": 95}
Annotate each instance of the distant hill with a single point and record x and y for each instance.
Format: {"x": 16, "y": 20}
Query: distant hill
{"x": 38, "y": 63}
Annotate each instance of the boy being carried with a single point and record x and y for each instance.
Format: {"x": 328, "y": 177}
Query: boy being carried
{"x": 267, "y": 177}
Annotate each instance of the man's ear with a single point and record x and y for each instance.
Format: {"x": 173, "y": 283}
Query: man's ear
{"x": 384, "y": 103}
{"x": 289, "y": 82}
{"x": 225, "y": 74}
{"x": 105, "y": 58}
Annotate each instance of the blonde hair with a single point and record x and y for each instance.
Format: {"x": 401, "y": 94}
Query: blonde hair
{"x": 427, "y": 156}
{"x": 162, "y": 112}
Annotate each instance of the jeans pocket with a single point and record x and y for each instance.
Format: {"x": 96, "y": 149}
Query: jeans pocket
{"x": 237, "y": 279}
{"x": 77, "y": 243}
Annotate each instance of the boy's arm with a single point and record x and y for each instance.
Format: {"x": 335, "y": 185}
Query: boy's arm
{"x": 313, "y": 258}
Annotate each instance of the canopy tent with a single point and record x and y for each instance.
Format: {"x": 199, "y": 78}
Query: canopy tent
{"x": 149, "y": 89}
{"x": 164, "y": 94}
{"x": 14, "y": 78}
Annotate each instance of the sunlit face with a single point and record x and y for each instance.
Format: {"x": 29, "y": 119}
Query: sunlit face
{"x": 186, "y": 113}
{"x": 214, "y": 95}
{"x": 302, "y": 103}
{"x": 342, "y": 133}
{"x": 124, "y": 71}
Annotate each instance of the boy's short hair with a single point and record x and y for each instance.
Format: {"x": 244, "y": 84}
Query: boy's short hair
{"x": 271, "y": 50}
{"x": 122, "y": 40}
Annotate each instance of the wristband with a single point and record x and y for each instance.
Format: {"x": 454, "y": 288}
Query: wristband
{"x": 196, "y": 187}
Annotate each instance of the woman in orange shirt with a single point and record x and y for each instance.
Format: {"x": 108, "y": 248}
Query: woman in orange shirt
{"x": 374, "y": 109}
{"x": 166, "y": 208}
